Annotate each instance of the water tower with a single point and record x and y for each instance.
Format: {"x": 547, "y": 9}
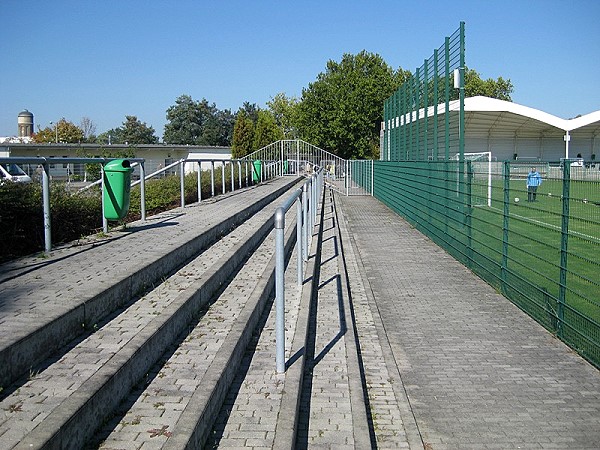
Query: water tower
{"x": 25, "y": 122}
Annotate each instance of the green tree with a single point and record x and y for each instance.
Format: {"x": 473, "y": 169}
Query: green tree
{"x": 266, "y": 130}
{"x": 243, "y": 135}
{"x": 137, "y": 132}
{"x": 496, "y": 88}
{"x": 112, "y": 136}
{"x": 284, "y": 109}
{"x": 131, "y": 132}
{"x": 198, "y": 123}
{"x": 342, "y": 110}
{"x": 67, "y": 132}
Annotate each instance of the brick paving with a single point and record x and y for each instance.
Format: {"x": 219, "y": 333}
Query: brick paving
{"x": 477, "y": 371}
{"x": 446, "y": 362}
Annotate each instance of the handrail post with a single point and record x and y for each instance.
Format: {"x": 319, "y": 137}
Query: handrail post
{"x": 305, "y": 221}
{"x": 199, "y": 181}
{"x": 223, "y": 176}
{"x": 279, "y": 290}
{"x": 182, "y": 182}
{"x": 212, "y": 178}
{"x": 232, "y": 176}
{"x": 104, "y": 219}
{"x": 143, "y": 190}
{"x": 46, "y": 207}
{"x": 239, "y": 164}
{"x": 299, "y": 245}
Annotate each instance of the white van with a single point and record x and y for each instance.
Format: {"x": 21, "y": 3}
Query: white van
{"x": 12, "y": 172}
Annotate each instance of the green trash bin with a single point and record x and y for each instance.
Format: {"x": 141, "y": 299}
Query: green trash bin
{"x": 256, "y": 171}
{"x": 117, "y": 188}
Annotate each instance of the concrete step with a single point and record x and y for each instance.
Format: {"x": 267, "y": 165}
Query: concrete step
{"x": 59, "y": 406}
{"x": 178, "y": 406}
{"x": 46, "y": 303}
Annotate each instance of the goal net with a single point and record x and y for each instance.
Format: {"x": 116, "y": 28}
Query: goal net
{"x": 479, "y": 177}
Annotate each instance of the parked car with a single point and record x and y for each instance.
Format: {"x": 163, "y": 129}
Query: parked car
{"x": 12, "y": 172}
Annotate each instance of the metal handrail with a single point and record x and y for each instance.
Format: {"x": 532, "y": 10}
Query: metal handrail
{"x": 45, "y": 162}
{"x": 306, "y": 214}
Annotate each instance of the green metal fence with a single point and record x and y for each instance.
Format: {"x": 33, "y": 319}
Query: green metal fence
{"x": 424, "y": 118}
{"x": 540, "y": 254}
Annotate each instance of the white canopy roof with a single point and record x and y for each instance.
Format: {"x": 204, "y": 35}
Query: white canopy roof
{"x": 495, "y": 116}
{"x": 490, "y": 116}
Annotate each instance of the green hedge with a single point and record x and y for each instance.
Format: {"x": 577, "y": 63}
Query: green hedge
{"x": 76, "y": 215}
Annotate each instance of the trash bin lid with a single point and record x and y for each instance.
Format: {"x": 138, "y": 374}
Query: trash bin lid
{"x": 118, "y": 165}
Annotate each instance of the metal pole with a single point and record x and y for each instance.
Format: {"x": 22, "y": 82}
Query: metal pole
{"x": 143, "y": 190}
{"x": 223, "y": 176}
{"x": 212, "y": 178}
{"x": 305, "y": 220}
{"x": 279, "y": 290}
{"x": 232, "y": 175}
{"x": 104, "y": 220}
{"x": 239, "y": 164}
{"x": 299, "y": 241}
{"x": 182, "y": 182}
{"x": 199, "y": 181}
{"x": 46, "y": 203}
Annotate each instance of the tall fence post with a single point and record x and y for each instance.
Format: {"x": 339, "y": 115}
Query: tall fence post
{"x": 505, "y": 216}
{"x": 279, "y": 290}
{"x": 564, "y": 240}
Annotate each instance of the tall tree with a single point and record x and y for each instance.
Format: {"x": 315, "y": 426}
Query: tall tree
{"x": 342, "y": 110}
{"x": 137, "y": 132}
{"x": 243, "y": 135}
{"x": 496, "y": 88}
{"x": 266, "y": 131}
{"x": 63, "y": 131}
{"x": 198, "y": 123}
{"x": 131, "y": 132}
{"x": 284, "y": 109}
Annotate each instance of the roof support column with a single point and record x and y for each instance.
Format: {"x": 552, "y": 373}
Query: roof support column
{"x": 567, "y": 138}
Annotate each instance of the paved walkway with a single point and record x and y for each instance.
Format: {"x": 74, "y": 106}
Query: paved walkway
{"x": 446, "y": 361}
{"x": 477, "y": 371}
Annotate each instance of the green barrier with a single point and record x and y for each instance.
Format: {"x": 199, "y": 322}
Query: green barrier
{"x": 117, "y": 187}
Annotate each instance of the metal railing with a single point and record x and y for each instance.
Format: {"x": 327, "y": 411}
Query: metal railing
{"x": 306, "y": 199}
{"x": 297, "y": 157}
{"x": 237, "y": 169}
{"x": 45, "y": 164}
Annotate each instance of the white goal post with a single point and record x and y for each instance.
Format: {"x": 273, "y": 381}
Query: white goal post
{"x": 481, "y": 188}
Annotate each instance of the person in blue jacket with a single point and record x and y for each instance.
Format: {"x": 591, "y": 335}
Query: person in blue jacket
{"x": 534, "y": 179}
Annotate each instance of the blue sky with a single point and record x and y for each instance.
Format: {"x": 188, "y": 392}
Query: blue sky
{"x": 105, "y": 59}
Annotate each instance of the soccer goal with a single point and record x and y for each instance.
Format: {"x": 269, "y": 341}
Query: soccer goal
{"x": 479, "y": 166}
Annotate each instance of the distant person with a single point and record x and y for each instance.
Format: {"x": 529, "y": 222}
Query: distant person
{"x": 534, "y": 179}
